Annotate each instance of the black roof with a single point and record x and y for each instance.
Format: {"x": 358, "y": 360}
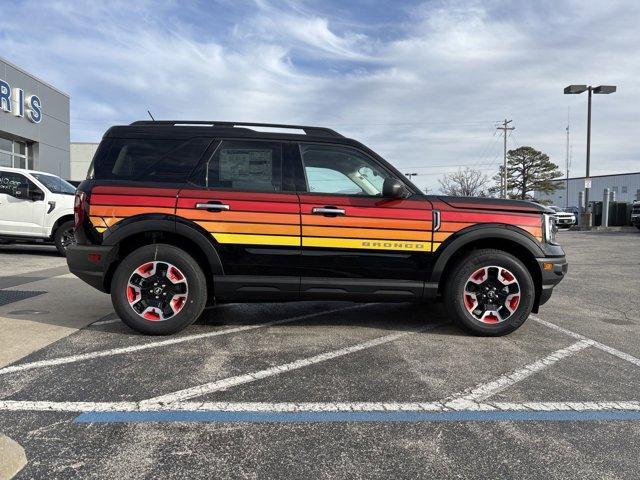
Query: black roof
{"x": 190, "y": 128}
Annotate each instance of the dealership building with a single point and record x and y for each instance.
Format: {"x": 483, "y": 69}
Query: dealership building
{"x": 34, "y": 122}
{"x": 625, "y": 188}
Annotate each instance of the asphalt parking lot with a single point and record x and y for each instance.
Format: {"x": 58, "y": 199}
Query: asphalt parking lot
{"x": 331, "y": 390}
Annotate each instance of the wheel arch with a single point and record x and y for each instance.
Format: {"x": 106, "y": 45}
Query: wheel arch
{"x": 134, "y": 232}
{"x": 59, "y": 221}
{"x": 513, "y": 240}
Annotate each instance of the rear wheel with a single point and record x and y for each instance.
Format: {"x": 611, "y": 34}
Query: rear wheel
{"x": 158, "y": 290}
{"x": 64, "y": 237}
{"x": 490, "y": 292}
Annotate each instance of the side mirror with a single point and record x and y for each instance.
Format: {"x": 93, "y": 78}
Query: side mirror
{"x": 392, "y": 188}
{"x": 36, "y": 195}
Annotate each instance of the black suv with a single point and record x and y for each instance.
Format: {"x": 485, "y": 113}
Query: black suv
{"x": 176, "y": 215}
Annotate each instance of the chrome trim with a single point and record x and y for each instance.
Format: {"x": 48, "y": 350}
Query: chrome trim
{"x": 328, "y": 211}
{"x": 212, "y": 206}
{"x": 436, "y": 220}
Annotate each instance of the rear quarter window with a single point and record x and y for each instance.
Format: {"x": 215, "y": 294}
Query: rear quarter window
{"x": 155, "y": 160}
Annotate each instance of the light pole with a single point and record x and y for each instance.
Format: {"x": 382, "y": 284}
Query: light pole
{"x": 577, "y": 89}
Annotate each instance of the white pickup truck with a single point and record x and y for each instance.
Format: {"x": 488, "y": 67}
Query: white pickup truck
{"x": 36, "y": 206}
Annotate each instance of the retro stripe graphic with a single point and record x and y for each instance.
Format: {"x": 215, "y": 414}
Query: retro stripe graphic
{"x": 278, "y": 219}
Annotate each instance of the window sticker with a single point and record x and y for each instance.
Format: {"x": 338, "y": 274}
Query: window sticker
{"x": 246, "y": 164}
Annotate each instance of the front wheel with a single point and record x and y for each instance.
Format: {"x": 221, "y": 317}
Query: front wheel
{"x": 490, "y": 292}
{"x": 158, "y": 290}
{"x": 64, "y": 237}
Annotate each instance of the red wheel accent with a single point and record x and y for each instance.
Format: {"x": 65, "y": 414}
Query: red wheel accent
{"x": 131, "y": 294}
{"x": 157, "y": 291}
{"x": 491, "y": 294}
{"x": 151, "y": 315}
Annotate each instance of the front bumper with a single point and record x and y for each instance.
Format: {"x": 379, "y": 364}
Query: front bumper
{"x": 552, "y": 271}
{"x": 91, "y": 263}
{"x": 635, "y": 219}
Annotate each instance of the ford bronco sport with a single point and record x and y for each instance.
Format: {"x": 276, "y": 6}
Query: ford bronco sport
{"x": 175, "y": 216}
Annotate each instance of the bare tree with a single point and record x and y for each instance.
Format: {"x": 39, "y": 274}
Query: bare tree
{"x": 466, "y": 182}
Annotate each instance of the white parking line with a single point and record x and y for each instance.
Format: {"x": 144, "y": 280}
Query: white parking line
{"x": 79, "y": 407}
{"x": 483, "y": 391}
{"x": 226, "y": 383}
{"x": 605, "y": 348}
{"x": 105, "y": 322}
{"x": 162, "y": 343}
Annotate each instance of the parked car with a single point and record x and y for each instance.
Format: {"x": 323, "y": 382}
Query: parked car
{"x": 36, "y": 207}
{"x": 635, "y": 214}
{"x": 563, "y": 219}
{"x": 176, "y": 215}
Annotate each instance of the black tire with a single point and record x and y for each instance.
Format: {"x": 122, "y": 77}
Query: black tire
{"x": 63, "y": 236}
{"x": 195, "y": 297}
{"x": 454, "y": 294}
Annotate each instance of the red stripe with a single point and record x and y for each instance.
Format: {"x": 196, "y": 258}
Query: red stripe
{"x": 231, "y": 195}
{"x": 477, "y": 217}
{"x": 130, "y": 191}
{"x": 404, "y": 213}
{"x": 244, "y": 206}
{"x": 132, "y": 200}
{"x": 365, "y": 202}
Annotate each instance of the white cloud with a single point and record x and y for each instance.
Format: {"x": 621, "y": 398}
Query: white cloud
{"x": 428, "y": 96}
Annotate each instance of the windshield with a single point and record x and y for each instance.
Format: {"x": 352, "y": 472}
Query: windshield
{"x": 55, "y": 184}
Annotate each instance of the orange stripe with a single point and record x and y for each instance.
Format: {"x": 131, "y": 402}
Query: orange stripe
{"x": 270, "y": 229}
{"x": 366, "y": 233}
{"x": 118, "y": 211}
{"x": 246, "y": 217}
{"x": 441, "y": 237}
{"x": 454, "y": 226}
{"x": 355, "y": 222}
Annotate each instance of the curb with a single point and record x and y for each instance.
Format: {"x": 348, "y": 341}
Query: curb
{"x": 12, "y": 458}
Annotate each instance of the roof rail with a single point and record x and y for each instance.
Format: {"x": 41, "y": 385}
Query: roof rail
{"x": 318, "y": 131}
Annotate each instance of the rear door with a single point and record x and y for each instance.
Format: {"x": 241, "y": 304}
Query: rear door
{"x": 245, "y": 205}
{"x": 354, "y": 240}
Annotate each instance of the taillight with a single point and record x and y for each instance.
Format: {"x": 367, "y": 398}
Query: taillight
{"x": 79, "y": 207}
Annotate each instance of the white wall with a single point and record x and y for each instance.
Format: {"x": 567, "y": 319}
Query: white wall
{"x": 81, "y": 155}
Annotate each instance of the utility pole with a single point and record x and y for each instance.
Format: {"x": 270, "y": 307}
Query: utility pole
{"x": 505, "y": 127}
{"x": 566, "y": 192}
{"x": 409, "y": 175}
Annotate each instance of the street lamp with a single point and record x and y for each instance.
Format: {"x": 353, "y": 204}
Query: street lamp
{"x": 574, "y": 90}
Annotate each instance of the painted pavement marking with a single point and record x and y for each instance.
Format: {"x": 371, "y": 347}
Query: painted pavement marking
{"x": 225, "y": 383}
{"x": 162, "y": 343}
{"x": 601, "y": 346}
{"x": 483, "y": 391}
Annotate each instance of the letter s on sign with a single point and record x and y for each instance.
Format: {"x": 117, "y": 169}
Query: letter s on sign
{"x": 34, "y": 110}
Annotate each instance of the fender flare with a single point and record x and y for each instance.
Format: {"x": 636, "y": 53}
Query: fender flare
{"x": 482, "y": 232}
{"x": 171, "y": 224}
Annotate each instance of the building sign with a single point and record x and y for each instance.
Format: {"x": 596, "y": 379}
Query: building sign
{"x": 13, "y": 100}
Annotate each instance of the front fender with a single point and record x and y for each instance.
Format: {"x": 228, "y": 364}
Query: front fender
{"x": 478, "y": 233}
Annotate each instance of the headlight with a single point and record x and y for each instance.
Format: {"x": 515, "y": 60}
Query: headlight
{"x": 550, "y": 228}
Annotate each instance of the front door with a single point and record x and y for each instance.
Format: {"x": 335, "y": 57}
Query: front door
{"x": 353, "y": 239}
{"x": 255, "y": 223}
{"x": 21, "y": 212}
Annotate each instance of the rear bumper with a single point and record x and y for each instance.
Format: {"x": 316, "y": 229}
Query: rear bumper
{"x": 552, "y": 271}
{"x": 90, "y": 263}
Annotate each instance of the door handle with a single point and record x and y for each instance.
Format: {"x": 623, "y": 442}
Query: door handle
{"x": 328, "y": 211}
{"x": 218, "y": 207}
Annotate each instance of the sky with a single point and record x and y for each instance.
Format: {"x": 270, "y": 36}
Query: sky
{"x": 424, "y": 84}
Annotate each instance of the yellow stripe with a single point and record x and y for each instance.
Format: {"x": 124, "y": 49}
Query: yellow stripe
{"x": 367, "y": 244}
{"x": 435, "y": 246}
{"x": 257, "y": 239}
{"x": 100, "y": 229}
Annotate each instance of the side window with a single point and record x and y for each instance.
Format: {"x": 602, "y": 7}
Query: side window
{"x": 14, "y": 184}
{"x": 341, "y": 170}
{"x": 246, "y": 165}
{"x": 154, "y": 160}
